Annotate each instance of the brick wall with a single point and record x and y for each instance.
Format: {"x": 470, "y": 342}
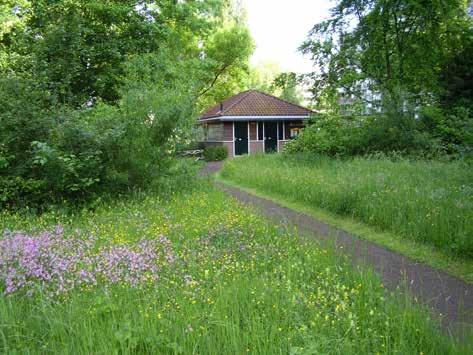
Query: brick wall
{"x": 228, "y": 131}
{"x": 229, "y": 146}
{"x": 256, "y": 147}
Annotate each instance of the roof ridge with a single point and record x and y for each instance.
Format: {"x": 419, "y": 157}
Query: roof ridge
{"x": 278, "y": 98}
{"x": 244, "y": 95}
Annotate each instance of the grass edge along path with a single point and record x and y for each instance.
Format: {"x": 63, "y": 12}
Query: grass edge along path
{"x": 447, "y": 296}
{"x": 460, "y": 268}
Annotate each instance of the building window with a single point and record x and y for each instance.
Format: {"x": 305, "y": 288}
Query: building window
{"x": 260, "y": 131}
{"x": 214, "y": 132}
{"x": 295, "y": 131}
{"x": 253, "y": 131}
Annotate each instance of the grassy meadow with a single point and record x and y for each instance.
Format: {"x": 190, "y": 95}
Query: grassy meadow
{"x": 191, "y": 272}
{"x": 429, "y": 203}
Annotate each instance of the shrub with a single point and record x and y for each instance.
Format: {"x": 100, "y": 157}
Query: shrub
{"x": 433, "y": 135}
{"x": 331, "y": 135}
{"x": 215, "y": 153}
{"x": 24, "y": 117}
{"x": 452, "y": 127}
{"x": 51, "y": 155}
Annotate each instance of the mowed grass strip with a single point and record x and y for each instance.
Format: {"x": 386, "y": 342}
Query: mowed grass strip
{"x": 237, "y": 285}
{"x": 426, "y": 202}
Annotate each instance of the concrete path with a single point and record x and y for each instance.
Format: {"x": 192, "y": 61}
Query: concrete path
{"x": 447, "y": 295}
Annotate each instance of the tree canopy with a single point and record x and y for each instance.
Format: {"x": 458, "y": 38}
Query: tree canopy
{"x": 76, "y": 49}
{"x": 389, "y": 47}
{"x": 268, "y": 77}
{"x": 392, "y": 75}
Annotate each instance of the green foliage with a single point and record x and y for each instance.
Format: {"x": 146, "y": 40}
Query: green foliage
{"x": 393, "y": 59}
{"x": 385, "y": 47}
{"x": 399, "y": 132}
{"x": 452, "y": 127}
{"x": 331, "y": 135}
{"x": 436, "y": 133}
{"x": 104, "y": 148}
{"x": 76, "y": 48}
{"x": 262, "y": 76}
{"x": 287, "y": 88}
{"x": 456, "y": 77}
{"x": 24, "y": 117}
{"x": 423, "y": 201}
{"x": 215, "y": 153}
{"x": 65, "y": 172}
{"x": 96, "y": 96}
{"x": 226, "y": 67}
{"x": 267, "y": 77}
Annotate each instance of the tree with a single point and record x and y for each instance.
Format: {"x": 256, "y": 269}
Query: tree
{"x": 76, "y": 49}
{"x": 267, "y": 77}
{"x": 394, "y": 48}
{"x": 225, "y": 63}
{"x": 262, "y": 76}
{"x": 287, "y": 87}
{"x": 456, "y": 77}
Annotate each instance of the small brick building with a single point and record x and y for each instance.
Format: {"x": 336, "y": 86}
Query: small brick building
{"x": 251, "y": 122}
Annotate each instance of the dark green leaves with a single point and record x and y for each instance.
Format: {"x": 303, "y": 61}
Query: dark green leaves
{"x": 388, "y": 45}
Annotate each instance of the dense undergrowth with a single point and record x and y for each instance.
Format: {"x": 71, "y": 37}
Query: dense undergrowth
{"x": 227, "y": 282}
{"x": 428, "y": 202}
{"x": 80, "y": 119}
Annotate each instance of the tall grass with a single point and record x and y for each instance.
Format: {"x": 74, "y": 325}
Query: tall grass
{"x": 428, "y": 202}
{"x": 237, "y": 285}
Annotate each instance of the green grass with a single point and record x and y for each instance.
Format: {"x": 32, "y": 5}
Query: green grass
{"x": 240, "y": 285}
{"x": 421, "y": 209}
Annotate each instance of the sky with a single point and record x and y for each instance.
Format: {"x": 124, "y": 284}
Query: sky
{"x": 280, "y": 26}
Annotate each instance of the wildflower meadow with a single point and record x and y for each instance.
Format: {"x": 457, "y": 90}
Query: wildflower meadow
{"x": 55, "y": 264}
{"x": 192, "y": 272}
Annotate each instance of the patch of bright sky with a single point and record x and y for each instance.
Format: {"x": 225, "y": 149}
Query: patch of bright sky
{"x": 280, "y": 26}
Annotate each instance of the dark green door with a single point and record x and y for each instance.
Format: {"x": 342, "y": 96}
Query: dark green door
{"x": 270, "y": 137}
{"x": 241, "y": 138}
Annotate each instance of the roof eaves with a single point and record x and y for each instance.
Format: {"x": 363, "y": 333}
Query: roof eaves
{"x": 253, "y": 118}
{"x": 210, "y": 119}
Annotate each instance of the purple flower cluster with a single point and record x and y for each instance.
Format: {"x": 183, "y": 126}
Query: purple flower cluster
{"x": 56, "y": 264}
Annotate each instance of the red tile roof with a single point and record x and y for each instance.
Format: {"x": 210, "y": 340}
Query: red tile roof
{"x": 255, "y": 103}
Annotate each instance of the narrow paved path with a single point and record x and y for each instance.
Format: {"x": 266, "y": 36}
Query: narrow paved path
{"x": 447, "y": 295}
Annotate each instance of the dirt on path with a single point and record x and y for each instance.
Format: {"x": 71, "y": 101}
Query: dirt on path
{"x": 446, "y": 295}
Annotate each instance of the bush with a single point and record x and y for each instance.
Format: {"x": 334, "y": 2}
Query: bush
{"x": 331, "y": 135}
{"x": 50, "y": 154}
{"x": 215, "y": 153}
{"x": 452, "y": 127}
{"x": 434, "y": 134}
